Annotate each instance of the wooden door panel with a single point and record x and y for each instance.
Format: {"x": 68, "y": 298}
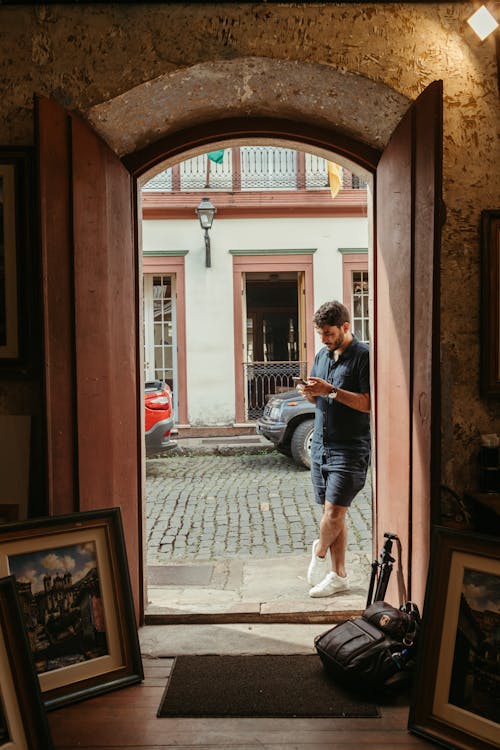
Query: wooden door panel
{"x": 91, "y": 330}
{"x": 392, "y": 339}
{"x": 53, "y": 137}
{"x": 408, "y": 194}
{"x": 426, "y": 392}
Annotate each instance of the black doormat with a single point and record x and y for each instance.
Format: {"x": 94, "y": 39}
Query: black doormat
{"x": 272, "y": 686}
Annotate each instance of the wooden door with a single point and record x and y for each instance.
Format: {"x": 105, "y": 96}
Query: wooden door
{"x": 93, "y": 403}
{"x": 408, "y": 201}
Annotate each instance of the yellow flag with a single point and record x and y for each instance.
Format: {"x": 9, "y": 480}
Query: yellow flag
{"x": 334, "y": 178}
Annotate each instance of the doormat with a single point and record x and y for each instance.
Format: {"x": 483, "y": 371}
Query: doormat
{"x": 258, "y": 685}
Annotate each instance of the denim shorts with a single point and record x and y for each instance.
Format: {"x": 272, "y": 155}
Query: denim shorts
{"x": 338, "y": 475}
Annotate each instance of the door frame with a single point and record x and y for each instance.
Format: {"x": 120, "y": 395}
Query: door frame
{"x": 424, "y": 482}
{"x": 166, "y": 151}
{"x": 258, "y": 263}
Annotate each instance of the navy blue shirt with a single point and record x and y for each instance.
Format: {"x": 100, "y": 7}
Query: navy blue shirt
{"x": 337, "y": 425}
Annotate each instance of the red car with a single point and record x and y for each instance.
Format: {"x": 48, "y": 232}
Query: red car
{"x": 159, "y": 417}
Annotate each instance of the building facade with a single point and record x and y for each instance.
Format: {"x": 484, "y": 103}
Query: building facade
{"x": 282, "y": 242}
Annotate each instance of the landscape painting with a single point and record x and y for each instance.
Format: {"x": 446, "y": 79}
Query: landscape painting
{"x": 474, "y": 678}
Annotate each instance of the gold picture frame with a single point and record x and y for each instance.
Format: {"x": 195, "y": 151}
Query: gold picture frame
{"x": 73, "y": 586}
{"x": 456, "y": 679}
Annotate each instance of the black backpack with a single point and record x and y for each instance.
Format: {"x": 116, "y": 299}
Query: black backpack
{"x": 374, "y": 651}
{"x": 377, "y": 649}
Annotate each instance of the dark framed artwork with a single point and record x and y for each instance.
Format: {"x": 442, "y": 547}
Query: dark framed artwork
{"x": 73, "y": 586}
{"x": 455, "y": 700}
{"x": 23, "y": 721}
{"x": 16, "y": 216}
{"x": 490, "y": 303}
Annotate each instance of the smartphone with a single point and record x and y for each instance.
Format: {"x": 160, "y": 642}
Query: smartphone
{"x": 299, "y": 381}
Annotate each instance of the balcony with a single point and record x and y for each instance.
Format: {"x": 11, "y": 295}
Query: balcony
{"x": 253, "y": 182}
{"x": 250, "y": 168}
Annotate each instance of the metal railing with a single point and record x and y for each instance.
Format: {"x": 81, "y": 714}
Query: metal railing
{"x": 263, "y": 379}
{"x": 251, "y": 168}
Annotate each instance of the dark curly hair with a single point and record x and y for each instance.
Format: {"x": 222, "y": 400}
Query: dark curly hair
{"x": 331, "y": 314}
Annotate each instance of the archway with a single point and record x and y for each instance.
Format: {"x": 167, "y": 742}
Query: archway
{"x": 411, "y": 170}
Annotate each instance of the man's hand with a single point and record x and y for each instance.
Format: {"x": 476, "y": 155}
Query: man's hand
{"x": 318, "y": 387}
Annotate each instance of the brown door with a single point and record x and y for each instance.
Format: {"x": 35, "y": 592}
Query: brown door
{"x": 408, "y": 200}
{"x": 93, "y": 404}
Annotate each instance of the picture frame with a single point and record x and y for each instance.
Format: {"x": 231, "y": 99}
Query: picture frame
{"x": 16, "y": 272}
{"x": 490, "y": 304}
{"x": 23, "y": 720}
{"x": 456, "y": 673}
{"x": 73, "y": 585}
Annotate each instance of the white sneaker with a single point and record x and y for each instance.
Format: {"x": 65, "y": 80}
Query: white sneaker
{"x": 318, "y": 567}
{"x": 331, "y": 584}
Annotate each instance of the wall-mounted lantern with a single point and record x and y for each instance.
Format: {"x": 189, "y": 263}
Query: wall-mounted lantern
{"x": 206, "y": 212}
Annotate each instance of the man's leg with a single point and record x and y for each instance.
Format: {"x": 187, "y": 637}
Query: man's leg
{"x": 333, "y": 536}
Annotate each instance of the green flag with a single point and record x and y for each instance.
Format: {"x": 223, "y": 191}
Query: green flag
{"x": 216, "y": 156}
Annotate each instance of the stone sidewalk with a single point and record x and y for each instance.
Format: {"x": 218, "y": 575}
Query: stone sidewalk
{"x": 229, "y": 531}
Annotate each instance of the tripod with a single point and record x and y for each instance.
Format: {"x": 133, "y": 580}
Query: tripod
{"x": 381, "y": 571}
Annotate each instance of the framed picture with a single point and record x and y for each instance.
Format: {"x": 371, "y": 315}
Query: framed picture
{"x": 23, "y": 721}
{"x": 455, "y": 700}
{"x": 16, "y": 215}
{"x": 490, "y": 303}
{"x": 73, "y": 587}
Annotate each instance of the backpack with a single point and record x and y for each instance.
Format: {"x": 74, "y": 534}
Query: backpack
{"x": 377, "y": 649}
{"x": 373, "y": 651}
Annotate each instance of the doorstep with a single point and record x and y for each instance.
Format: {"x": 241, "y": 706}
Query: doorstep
{"x": 250, "y": 590}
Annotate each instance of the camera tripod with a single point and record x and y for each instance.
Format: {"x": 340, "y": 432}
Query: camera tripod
{"x": 382, "y": 569}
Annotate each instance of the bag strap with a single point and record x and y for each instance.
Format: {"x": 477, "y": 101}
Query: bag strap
{"x": 400, "y": 575}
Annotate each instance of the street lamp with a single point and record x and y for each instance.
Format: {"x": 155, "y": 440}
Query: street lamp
{"x": 206, "y": 212}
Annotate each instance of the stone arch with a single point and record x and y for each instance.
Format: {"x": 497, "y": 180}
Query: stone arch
{"x": 361, "y": 109}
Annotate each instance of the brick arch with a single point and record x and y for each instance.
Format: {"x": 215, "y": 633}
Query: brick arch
{"x": 357, "y": 108}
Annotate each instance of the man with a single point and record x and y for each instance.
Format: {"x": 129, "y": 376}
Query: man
{"x": 339, "y": 385}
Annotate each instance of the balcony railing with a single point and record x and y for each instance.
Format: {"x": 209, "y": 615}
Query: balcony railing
{"x": 250, "y": 168}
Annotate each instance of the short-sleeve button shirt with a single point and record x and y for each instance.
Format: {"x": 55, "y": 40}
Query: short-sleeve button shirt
{"x": 336, "y": 425}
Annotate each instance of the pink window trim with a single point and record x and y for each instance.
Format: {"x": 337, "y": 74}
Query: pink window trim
{"x": 350, "y": 263}
{"x": 174, "y": 265}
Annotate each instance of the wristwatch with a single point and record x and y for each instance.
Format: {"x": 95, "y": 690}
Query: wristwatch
{"x": 332, "y": 394}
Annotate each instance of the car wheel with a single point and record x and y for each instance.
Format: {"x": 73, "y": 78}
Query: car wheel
{"x": 301, "y": 443}
{"x": 284, "y": 449}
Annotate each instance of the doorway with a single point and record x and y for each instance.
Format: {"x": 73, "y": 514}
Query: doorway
{"x": 272, "y": 337}
{"x": 76, "y": 478}
{"x": 209, "y": 537}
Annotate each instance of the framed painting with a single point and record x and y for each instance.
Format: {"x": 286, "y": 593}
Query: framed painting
{"x": 73, "y": 586}
{"x": 16, "y": 216}
{"x": 490, "y": 303}
{"x": 455, "y": 700}
{"x": 23, "y": 721}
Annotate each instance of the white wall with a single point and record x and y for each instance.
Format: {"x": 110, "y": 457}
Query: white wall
{"x": 209, "y": 291}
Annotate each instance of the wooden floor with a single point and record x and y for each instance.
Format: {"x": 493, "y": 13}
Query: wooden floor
{"x": 126, "y": 718}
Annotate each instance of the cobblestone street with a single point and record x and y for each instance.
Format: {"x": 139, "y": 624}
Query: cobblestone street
{"x": 258, "y": 505}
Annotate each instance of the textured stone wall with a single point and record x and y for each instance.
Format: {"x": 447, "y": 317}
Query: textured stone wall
{"x": 86, "y": 55}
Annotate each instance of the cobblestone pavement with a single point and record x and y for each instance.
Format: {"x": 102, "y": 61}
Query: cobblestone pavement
{"x": 256, "y": 505}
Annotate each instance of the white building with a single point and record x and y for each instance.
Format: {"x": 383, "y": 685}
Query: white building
{"x": 280, "y": 245}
